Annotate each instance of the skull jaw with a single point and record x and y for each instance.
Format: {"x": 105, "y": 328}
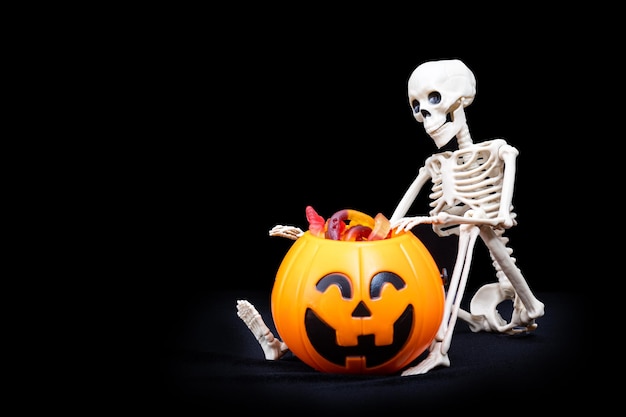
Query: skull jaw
{"x": 443, "y": 134}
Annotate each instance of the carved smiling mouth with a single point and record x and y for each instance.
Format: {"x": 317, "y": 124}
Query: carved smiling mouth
{"x": 323, "y": 339}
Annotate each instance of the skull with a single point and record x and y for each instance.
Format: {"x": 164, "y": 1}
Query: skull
{"x": 438, "y": 93}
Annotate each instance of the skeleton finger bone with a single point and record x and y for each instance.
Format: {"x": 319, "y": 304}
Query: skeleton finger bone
{"x": 407, "y": 223}
{"x": 272, "y": 347}
{"x": 289, "y": 232}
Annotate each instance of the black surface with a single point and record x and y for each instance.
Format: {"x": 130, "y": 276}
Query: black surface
{"x": 210, "y": 359}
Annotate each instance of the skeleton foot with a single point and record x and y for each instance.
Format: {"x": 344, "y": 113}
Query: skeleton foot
{"x": 521, "y": 322}
{"x": 434, "y": 359}
{"x": 272, "y": 347}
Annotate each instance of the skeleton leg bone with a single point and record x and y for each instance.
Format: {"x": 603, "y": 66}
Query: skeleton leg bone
{"x": 526, "y": 307}
{"x": 484, "y": 314}
{"x": 438, "y": 355}
{"x": 272, "y": 347}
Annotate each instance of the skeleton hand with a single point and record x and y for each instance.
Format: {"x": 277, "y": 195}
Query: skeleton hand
{"x": 504, "y": 222}
{"x": 272, "y": 347}
{"x": 509, "y": 220}
{"x": 505, "y": 219}
{"x": 407, "y": 223}
{"x": 290, "y": 232}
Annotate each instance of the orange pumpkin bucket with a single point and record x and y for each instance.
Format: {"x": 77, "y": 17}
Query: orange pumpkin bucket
{"x": 360, "y": 307}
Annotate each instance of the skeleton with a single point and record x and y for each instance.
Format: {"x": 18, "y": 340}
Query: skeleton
{"x": 472, "y": 190}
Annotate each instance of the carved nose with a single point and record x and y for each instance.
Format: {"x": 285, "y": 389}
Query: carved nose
{"x": 425, "y": 113}
{"x": 361, "y": 310}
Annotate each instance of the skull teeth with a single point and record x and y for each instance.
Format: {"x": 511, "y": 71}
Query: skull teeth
{"x": 433, "y": 131}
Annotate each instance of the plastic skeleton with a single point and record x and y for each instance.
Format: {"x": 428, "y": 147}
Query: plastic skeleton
{"x": 472, "y": 190}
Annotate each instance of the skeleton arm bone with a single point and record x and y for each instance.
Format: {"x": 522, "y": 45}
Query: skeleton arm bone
{"x": 407, "y": 223}
{"x": 410, "y": 195}
{"x": 438, "y": 355}
{"x": 509, "y": 155}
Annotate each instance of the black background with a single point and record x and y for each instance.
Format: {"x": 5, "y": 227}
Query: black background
{"x": 251, "y": 134}
{"x": 239, "y": 128}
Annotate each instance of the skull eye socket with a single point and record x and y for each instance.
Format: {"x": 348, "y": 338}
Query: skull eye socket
{"x": 416, "y": 106}
{"x": 434, "y": 98}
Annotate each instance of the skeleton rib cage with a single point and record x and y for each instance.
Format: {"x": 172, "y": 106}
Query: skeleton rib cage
{"x": 467, "y": 179}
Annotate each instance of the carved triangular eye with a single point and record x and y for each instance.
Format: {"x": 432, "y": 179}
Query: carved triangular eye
{"x": 380, "y": 279}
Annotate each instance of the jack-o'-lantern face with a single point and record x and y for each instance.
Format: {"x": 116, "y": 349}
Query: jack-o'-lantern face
{"x": 358, "y": 307}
